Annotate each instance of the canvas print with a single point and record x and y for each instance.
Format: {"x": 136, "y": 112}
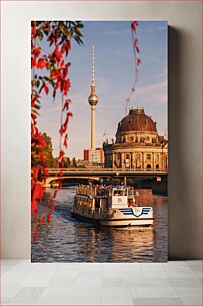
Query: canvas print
{"x": 99, "y": 144}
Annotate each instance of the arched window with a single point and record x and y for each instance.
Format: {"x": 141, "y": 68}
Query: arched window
{"x": 127, "y": 156}
{"x": 127, "y": 161}
{"x": 138, "y": 160}
{"x": 148, "y": 166}
{"x": 157, "y": 166}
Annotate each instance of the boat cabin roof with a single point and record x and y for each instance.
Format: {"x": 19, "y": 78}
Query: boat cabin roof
{"x": 120, "y": 187}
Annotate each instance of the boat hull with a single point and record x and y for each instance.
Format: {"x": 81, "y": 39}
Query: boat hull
{"x": 119, "y": 217}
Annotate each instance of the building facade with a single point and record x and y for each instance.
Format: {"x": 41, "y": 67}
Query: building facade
{"x": 138, "y": 144}
{"x": 94, "y": 156}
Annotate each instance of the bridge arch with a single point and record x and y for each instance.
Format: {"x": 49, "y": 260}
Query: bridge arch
{"x": 73, "y": 180}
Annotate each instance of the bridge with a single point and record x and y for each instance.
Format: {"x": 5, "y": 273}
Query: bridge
{"x": 97, "y": 173}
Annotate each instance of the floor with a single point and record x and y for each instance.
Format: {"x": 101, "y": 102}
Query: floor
{"x": 172, "y": 283}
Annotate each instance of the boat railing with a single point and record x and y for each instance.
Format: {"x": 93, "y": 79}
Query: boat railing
{"x": 102, "y": 191}
{"x": 86, "y": 190}
{"x": 90, "y": 190}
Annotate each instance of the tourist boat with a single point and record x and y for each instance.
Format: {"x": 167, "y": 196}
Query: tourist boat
{"x": 110, "y": 206}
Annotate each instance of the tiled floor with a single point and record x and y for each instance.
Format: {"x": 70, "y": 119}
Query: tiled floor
{"x": 172, "y": 283}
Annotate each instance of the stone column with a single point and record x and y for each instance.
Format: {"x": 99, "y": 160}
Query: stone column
{"x": 122, "y": 161}
{"x": 133, "y": 160}
{"x": 153, "y": 162}
{"x": 142, "y": 160}
{"x": 113, "y": 157}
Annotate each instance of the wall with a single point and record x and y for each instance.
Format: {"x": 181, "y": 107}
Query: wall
{"x": 185, "y": 63}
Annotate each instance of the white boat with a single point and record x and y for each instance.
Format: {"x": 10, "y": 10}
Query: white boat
{"x": 111, "y": 206}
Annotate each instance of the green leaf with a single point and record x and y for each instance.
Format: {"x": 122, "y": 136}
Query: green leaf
{"x": 40, "y": 35}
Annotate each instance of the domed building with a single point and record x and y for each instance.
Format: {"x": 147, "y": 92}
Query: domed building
{"x": 138, "y": 144}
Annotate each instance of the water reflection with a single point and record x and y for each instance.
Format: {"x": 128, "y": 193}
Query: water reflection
{"x": 66, "y": 239}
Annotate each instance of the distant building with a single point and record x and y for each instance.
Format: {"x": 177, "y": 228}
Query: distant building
{"x": 86, "y": 154}
{"x": 94, "y": 156}
{"x": 138, "y": 144}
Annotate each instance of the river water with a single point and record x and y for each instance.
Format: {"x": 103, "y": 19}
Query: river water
{"x": 66, "y": 239}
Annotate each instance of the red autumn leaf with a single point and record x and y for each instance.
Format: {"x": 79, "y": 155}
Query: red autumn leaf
{"x": 61, "y": 131}
{"x": 41, "y": 63}
{"x": 58, "y": 84}
{"x": 55, "y": 74}
{"x": 55, "y": 193}
{"x": 62, "y": 162}
{"x": 65, "y": 143}
{"x": 66, "y": 69}
{"x": 66, "y": 86}
{"x": 33, "y": 62}
{"x": 134, "y": 25}
{"x": 54, "y": 93}
{"x": 46, "y": 88}
{"x": 69, "y": 114}
{"x": 61, "y": 154}
{"x": 67, "y": 46}
{"x": 34, "y": 31}
{"x": 33, "y": 205}
{"x": 42, "y": 142}
{"x": 46, "y": 173}
{"x": 35, "y": 235}
{"x": 38, "y": 191}
{"x": 63, "y": 48}
{"x": 35, "y": 214}
{"x": 36, "y": 51}
{"x": 57, "y": 52}
{"x": 35, "y": 172}
{"x": 34, "y": 98}
{"x": 52, "y": 206}
{"x": 136, "y": 42}
{"x": 61, "y": 63}
{"x": 137, "y": 49}
{"x": 41, "y": 220}
{"x": 66, "y": 104}
{"x": 32, "y": 185}
{"x": 42, "y": 156}
{"x": 49, "y": 218}
{"x": 138, "y": 61}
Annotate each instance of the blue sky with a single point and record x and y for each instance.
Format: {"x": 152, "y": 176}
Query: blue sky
{"x": 114, "y": 75}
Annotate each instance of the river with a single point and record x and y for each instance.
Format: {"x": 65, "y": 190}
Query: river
{"x": 66, "y": 239}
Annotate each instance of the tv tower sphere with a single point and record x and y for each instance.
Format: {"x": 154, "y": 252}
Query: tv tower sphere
{"x": 93, "y": 99}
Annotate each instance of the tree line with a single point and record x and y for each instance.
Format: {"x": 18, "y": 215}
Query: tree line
{"x": 53, "y": 162}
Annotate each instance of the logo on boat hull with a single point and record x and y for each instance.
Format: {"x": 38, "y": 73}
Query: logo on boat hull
{"x": 130, "y": 211}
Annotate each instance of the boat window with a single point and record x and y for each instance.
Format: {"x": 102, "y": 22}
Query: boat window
{"x": 120, "y": 192}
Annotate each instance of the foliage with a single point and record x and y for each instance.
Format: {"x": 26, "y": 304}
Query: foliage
{"x": 137, "y": 60}
{"x": 46, "y": 151}
{"x": 49, "y": 73}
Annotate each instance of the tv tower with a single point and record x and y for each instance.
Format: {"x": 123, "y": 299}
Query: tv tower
{"x": 93, "y": 100}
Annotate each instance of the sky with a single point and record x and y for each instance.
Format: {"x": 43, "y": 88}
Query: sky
{"x": 114, "y": 76}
